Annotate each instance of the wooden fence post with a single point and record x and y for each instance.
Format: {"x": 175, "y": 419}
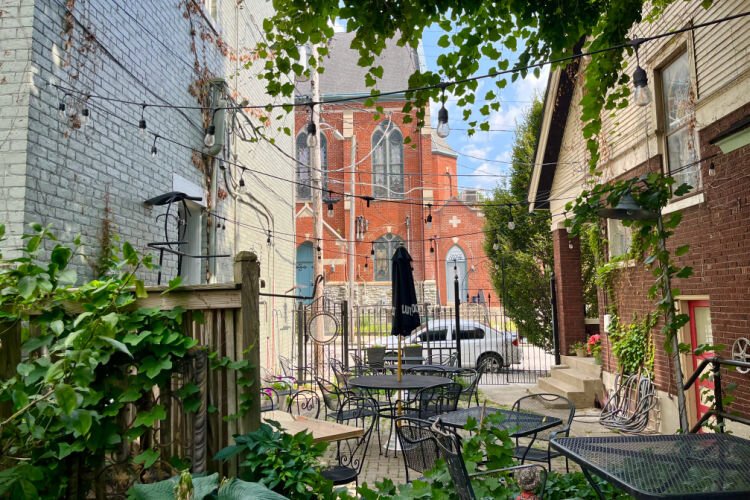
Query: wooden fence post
{"x": 10, "y": 356}
{"x": 247, "y": 274}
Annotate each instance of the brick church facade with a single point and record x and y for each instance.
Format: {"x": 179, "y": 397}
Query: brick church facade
{"x": 411, "y": 174}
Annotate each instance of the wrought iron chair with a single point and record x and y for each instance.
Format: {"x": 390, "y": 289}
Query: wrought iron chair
{"x": 541, "y": 404}
{"x": 291, "y": 372}
{"x": 449, "y": 448}
{"x": 376, "y": 359}
{"x": 451, "y": 360}
{"x": 418, "y": 445}
{"x": 269, "y": 399}
{"x": 305, "y": 403}
{"x": 431, "y": 401}
{"x": 351, "y": 453}
{"x": 341, "y": 373}
{"x": 332, "y": 395}
{"x": 360, "y": 367}
{"x": 469, "y": 380}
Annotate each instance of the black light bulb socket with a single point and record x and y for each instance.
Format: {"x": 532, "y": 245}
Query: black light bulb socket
{"x": 640, "y": 79}
{"x": 330, "y": 206}
{"x": 85, "y": 112}
{"x": 311, "y": 129}
{"x": 242, "y": 182}
{"x": 443, "y": 115}
{"x": 61, "y": 107}
{"x": 428, "y": 219}
{"x": 142, "y": 124}
{"x": 211, "y": 130}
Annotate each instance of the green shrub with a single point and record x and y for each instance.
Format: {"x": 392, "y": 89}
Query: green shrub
{"x": 575, "y": 485}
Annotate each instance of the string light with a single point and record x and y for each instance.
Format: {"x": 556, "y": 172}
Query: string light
{"x": 641, "y": 94}
{"x": 84, "y": 116}
{"x": 312, "y": 130}
{"x": 432, "y": 247}
{"x": 428, "y": 220}
{"x": 372, "y": 248}
{"x": 443, "y": 130}
{"x": 268, "y": 240}
{"x": 366, "y": 260}
{"x": 496, "y": 245}
{"x": 210, "y": 139}
{"x": 242, "y": 178}
{"x": 154, "y": 151}
{"x": 712, "y": 170}
{"x": 511, "y": 222}
{"x": 142, "y": 121}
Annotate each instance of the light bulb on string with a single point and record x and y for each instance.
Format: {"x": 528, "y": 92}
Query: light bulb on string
{"x": 496, "y": 245}
{"x": 366, "y": 260}
{"x": 443, "y": 130}
{"x": 61, "y": 109}
{"x": 641, "y": 92}
{"x": 154, "y": 151}
{"x": 268, "y": 240}
{"x": 372, "y": 248}
{"x": 570, "y": 245}
{"x": 242, "y": 178}
{"x": 711, "y": 169}
{"x": 142, "y": 121}
{"x": 312, "y": 131}
{"x": 210, "y": 139}
{"x": 432, "y": 245}
{"x": 428, "y": 219}
{"x": 85, "y": 116}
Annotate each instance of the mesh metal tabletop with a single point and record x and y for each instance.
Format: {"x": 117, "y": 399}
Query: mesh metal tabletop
{"x": 517, "y": 423}
{"x": 672, "y": 466}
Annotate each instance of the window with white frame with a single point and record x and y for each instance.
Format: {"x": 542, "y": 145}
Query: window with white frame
{"x": 387, "y": 162}
{"x": 619, "y": 238}
{"x": 304, "y": 178}
{"x": 680, "y": 132}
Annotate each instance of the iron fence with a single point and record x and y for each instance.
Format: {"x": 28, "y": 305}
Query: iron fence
{"x": 488, "y": 339}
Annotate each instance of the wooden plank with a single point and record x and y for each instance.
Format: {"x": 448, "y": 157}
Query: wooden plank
{"x": 322, "y": 430}
{"x": 247, "y": 272}
{"x": 10, "y": 356}
{"x": 193, "y": 299}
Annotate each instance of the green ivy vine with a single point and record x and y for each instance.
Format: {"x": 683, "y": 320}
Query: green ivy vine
{"x": 90, "y": 360}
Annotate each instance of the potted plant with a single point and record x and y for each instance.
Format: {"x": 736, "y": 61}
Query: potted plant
{"x": 579, "y": 349}
{"x": 375, "y": 355}
{"x": 594, "y": 345}
{"x": 413, "y": 350}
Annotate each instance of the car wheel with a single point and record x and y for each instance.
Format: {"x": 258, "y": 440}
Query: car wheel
{"x": 490, "y": 363}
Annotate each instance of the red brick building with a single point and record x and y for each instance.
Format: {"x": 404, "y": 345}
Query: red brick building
{"x": 697, "y": 128}
{"x": 409, "y": 180}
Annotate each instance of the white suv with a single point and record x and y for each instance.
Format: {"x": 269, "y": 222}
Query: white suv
{"x": 480, "y": 344}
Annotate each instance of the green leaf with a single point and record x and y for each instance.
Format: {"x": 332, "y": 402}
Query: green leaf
{"x": 140, "y": 289}
{"x": 147, "y": 458}
{"x": 682, "y": 250}
{"x": 81, "y": 421}
{"x": 153, "y": 366}
{"x": 26, "y": 286}
{"x": 66, "y": 398}
{"x": 57, "y": 326}
{"x": 131, "y": 394}
{"x": 149, "y": 418}
{"x": 68, "y": 277}
{"x": 117, "y": 345}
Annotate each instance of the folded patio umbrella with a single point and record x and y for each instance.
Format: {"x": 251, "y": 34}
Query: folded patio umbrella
{"x": 404, "y": 297}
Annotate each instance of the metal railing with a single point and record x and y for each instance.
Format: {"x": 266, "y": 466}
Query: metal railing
{"x": 717, "y": 408}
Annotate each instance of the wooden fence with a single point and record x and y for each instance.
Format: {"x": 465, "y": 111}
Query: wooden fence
{"x": 223, "y": 319}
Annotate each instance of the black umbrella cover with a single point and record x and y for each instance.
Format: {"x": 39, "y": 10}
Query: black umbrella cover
{"x": 404, "y": 296}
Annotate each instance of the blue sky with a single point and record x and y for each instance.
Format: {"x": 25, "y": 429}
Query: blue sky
{"x": 494, "y": 146}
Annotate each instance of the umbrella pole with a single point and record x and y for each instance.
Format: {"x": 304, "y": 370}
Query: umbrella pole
{"x": 398, "y": 366}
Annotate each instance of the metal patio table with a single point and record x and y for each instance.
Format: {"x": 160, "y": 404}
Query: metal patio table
{"x": 673, "y": 466}
{"x": 517, "y": 423}
{"x": 390, "y": 384}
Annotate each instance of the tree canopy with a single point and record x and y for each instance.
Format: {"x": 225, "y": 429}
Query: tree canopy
{"x": 476, "y": 30}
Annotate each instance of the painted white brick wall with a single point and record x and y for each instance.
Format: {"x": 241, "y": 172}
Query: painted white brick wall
{"x": 56, "y": 173}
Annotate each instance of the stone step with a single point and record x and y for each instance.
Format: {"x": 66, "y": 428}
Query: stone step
{"x": 587, "y": 366}
{"x": 579, "y": 380}
{"x": 579, "y": 398}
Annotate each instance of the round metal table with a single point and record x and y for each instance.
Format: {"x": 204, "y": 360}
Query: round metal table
{"x": 391, "y": 383}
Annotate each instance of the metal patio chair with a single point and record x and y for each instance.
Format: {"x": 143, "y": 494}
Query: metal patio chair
{"x": 418, "y": 446}
{"x": 432, "y": 401}
{"x": 269, "y": 399}
{"x": 541, "y": 404}
{"x": 305, "y": 403}
{"x": 468, "y": 378}
{"x": 427, "y": 370}
{"x": 351, "y": 453}
{"x": 449, "y": 448}
{"x": 629, "y": 408}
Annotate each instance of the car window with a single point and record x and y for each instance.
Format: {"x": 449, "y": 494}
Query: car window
{"x": 434, "y": 335}
{"x": 472, "y": 334}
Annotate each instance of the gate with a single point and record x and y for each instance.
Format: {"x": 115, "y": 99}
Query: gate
{"x": 488, "y": 339}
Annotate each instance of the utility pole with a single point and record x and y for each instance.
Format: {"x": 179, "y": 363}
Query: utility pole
{"x": 352, "y": 233}
{"x": 317, "y": 179}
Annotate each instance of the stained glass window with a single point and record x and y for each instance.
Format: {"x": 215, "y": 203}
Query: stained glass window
{"x": 388, "y": 162}
{"x": 304, "y": 179}
{"x": 384, "y": 247}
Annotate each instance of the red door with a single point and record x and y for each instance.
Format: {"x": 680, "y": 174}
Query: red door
{"x": 700, "y": 333}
